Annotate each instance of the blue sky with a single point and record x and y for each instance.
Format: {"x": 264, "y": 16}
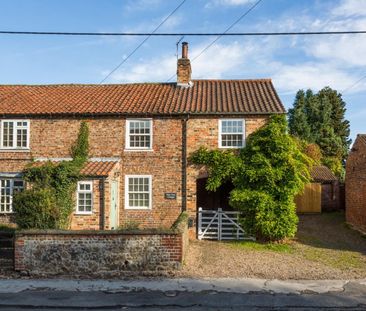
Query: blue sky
{"x": 292, "y": 62}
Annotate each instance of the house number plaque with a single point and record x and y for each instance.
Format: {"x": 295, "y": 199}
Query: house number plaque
{"x": 170, "y": 195}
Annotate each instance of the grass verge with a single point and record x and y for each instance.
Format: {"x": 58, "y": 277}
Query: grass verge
{"x": 257, "y": 246}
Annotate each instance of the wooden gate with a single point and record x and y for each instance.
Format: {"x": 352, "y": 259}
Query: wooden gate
{"x": 220, "y": 225}
{"x": 310, "y": 200}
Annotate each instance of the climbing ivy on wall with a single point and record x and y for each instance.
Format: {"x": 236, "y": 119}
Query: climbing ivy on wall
{"x": 49, "y": 201}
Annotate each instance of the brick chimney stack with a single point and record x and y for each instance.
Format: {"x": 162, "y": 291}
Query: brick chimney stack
{"x": 184, "y": 70}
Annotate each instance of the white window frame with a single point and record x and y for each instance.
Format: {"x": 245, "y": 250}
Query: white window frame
{"x": 12, "y": 180}
{"x": 91, "y": 191}
{"x": 220, "y": 134}
{"x": 15, "y": 127}
{"x": 127, "y": 203}
{"x": 127, "y": 140}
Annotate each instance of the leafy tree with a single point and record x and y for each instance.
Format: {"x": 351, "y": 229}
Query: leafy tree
{"x": 320, "y": 119}
{"x": 298, "y": 116}
{"x": 266, "y": 175}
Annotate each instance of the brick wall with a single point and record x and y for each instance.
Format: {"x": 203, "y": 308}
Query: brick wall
{"x": 205, "y": 132}
{"x": 53, "y": 138}
{"x": 102, "y": 253}
{"x": 355, "y": 186}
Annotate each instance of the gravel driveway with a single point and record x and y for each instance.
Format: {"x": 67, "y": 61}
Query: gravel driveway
{"x": 323, "y": 249}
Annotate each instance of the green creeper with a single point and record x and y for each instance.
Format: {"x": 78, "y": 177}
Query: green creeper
{"x": 266, "y": 174}
{"x": 49, "y": 202}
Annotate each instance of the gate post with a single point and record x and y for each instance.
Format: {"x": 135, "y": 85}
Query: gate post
{"x": 219, "y": 223}
{"x": 199, "y": 223}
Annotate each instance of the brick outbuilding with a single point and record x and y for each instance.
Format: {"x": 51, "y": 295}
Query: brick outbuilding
{"x": 356, "y": 184}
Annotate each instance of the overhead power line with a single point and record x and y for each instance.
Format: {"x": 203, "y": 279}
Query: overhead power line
{"x": 192, "y": 34}
{"x": 222, "y": 34}
{"x": 353, "y": 85}
{"x": 142, "y": 42}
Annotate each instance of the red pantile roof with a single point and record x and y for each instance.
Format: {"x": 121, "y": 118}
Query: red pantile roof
{"x": 205, "y": 97}
{"x": 321, "y": 173}
{"x": 102, "y": 169}
{"x": 91, "y": 168}
{"x": 362, "y": 138}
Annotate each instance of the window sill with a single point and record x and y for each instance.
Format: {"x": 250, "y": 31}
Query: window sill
{"x": 220, "y": 147}
{"x": 138, "y": 150}
{"x": 83, "y": 214}
{"x": 14, "y": 150}
{"x": 138, "y": 208}
{"x": 6, "y": 213}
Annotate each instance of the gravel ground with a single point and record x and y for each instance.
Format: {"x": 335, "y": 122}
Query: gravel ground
{"x": 323, "y": 249}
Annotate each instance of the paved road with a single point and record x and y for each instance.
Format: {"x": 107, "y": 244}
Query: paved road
{"x": 234, "y": 294}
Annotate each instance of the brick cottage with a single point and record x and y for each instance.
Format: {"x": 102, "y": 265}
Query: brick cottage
{"x": 141, "y": 136}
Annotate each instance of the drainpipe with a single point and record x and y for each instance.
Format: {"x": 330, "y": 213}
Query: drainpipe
{"x": 102, "y": 202}
{"x": 184, "y": 163}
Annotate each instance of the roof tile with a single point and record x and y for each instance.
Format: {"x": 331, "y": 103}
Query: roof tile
{"x": 205, "y": 97}
{"x": 321, "y": 173}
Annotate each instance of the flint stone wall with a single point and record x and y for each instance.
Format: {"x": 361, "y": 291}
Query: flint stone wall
{"x": 97, "y": 253}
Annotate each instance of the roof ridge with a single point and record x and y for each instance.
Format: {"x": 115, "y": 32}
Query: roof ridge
{"x": 134, "y": 83}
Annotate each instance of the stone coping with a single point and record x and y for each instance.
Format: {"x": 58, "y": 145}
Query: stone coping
{"x": 97, "y": 232}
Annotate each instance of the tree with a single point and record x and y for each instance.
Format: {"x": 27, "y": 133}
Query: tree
{"x": 298, "y": 117}
{"x": 266, "y": 175}
{"x": 320, "y": 119}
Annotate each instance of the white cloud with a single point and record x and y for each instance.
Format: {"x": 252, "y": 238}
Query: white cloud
{"x": 219, "y": 60}
{"x": 290, "y": 78}
{"x": 293, "y": 63}
{"x": 350, "y": 8}
{"x": 138, "y": 5}
{"x": 346, "y": 50}
{"x": 214, "y": 64}
{"x": 145, "y": 71}
{"x": 215, "y": 3}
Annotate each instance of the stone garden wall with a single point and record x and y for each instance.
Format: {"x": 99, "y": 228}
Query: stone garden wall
{"x": 97, "y": 253}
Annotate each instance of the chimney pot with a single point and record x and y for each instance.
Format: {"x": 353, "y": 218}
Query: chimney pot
{"x": 184, "y": 49}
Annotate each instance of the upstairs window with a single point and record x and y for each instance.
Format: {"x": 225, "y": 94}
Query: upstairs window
{"x": 14, "y": 134}
{"x": 8, "y": 187}
{"x": 139, "y": 134}
{"x": 84, "y": 197}
{"x": 231, "y": 133}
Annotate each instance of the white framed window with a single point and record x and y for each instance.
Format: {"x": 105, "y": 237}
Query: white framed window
{"x": 14, "y": 134}
{"x": 138, "y": 191}
{"x": 231, "y": 133}
{"x": 139, "y": 134}
{"x": 84, "y": 200}
{"x": 8, "y": 186}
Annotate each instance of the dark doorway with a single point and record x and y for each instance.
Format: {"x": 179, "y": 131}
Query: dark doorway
{"x": 210, "y": 200}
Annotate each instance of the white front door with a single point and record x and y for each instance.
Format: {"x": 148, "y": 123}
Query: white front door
{"x": 113, "y": 215}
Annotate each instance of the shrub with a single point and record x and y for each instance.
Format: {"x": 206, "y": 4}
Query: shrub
{"x": 181, "y": 222}
{"x": 36, "y": 208}
{"x": 130, "y": 225}
{"x": 55, "y": 184}
{"x": 267, "y": 174}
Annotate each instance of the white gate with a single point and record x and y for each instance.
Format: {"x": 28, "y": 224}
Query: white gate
{"x": 220, "y": 225}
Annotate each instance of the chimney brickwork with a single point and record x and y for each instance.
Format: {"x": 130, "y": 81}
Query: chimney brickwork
{"x": 184, "y": 70}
